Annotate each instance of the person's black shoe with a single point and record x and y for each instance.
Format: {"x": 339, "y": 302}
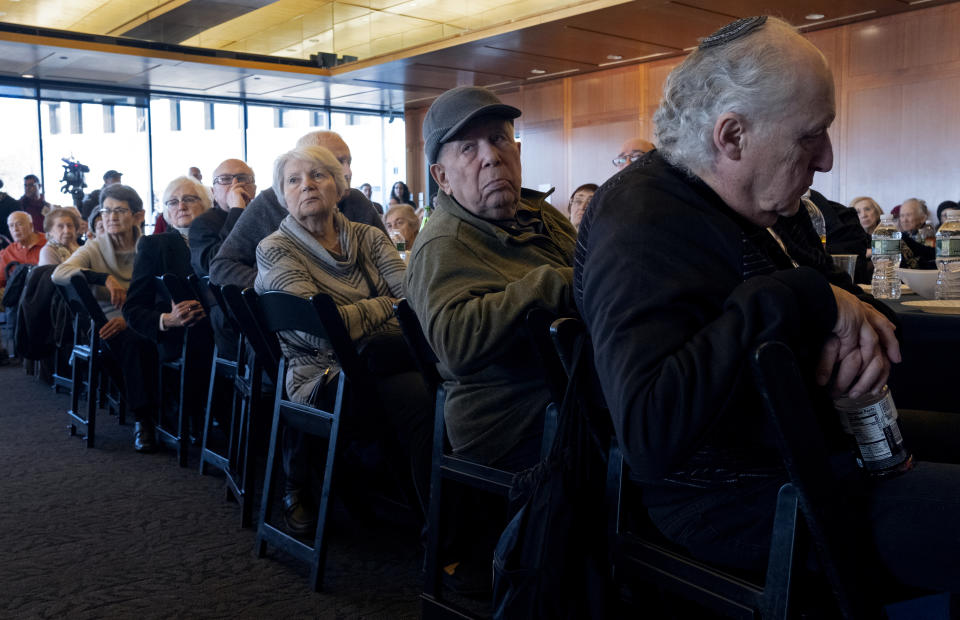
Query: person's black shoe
{"x": 143, "y": 438}
{"x": 300, "y": 519}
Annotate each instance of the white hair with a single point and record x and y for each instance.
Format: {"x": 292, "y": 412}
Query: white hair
{"x": 315, "y": 155}
{"x": 752, "y": 76}
{"x": 203, "y": 192}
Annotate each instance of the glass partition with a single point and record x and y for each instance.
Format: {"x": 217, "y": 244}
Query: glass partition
{"x": 101, "y": 137}
{"x": 18, "y": 125}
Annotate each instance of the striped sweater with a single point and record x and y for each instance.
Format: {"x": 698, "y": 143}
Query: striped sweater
{"x": 291, "y": 260}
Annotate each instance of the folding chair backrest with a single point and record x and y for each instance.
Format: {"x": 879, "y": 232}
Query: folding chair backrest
{"x": 174, "y": 287}
{"x": 265, "y": 345}
{"x": 423, "y": 354}
{"x": 317, "y": 316}
{"x": 82, "y": 302}
{"x": 538, "y": 323}
{"x": 830, "y": 519}
{"x": 201, "y": 291}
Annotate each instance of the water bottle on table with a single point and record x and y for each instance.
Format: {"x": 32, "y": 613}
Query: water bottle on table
{"x": 886, "y": 259}
{"x": 401, "y": 244}
{"x": 948, "y": 258}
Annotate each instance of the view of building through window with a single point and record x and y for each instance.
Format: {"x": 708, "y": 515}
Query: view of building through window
{"x": 154, "y": 140}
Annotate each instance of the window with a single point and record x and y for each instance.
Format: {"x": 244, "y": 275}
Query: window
{"x": 18, "y": 125}
{"x": 274, "y": 130}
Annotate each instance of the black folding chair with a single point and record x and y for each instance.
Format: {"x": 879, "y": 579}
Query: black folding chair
{"x": 641, "y": 555}
{"x": 87, "y": 351}
{"x": 447, "y": 468}
{"x": 277, "y": 312}
{"x": 222, "y": 371}
{"x": 192, "y": 360}
{"x": 257, "y": 357}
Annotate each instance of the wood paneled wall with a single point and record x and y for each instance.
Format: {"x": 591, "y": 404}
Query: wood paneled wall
{"x": 896, "y": 134}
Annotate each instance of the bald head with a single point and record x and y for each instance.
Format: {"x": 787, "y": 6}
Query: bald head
{"x": 331, "y": 141}
{"x": 632, "y": 150}
{"x": 21, "y": 226}
{"x": 234, "y": 185}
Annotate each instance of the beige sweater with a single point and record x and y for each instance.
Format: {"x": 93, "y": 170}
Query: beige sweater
{"x": 96, "y": 260}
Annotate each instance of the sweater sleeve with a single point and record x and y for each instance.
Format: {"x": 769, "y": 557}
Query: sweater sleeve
{"x": 235, "y": 262}
{"x": 469, "y": 316}
{"x": 673, "y": 324}
{"x": 282, "y": 269}
{"x": 80, "y": 262}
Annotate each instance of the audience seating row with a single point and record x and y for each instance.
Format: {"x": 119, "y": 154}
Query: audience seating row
{"x": 810, "y": 513}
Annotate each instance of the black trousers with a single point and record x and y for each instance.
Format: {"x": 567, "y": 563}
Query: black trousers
{"x": 133, "y": 365}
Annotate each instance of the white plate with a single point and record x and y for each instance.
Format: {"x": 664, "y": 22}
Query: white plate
{"x": 938, "y": 306}
{"x": 904, "y": 289}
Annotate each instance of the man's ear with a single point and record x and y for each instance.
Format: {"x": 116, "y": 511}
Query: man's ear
{"x": 728, "y": 135}
{"x": 440, "y": 176}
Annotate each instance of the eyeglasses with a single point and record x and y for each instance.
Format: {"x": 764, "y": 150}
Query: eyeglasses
{"x": 115, "y": 211}
{"x": 227, "y": 179}
{"x": 624, "y": 158}
{"x": 187, "y": 200}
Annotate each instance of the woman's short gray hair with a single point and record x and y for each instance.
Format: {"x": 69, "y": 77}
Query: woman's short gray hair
{"x": 122, "y": 192}
{"x": 202, "y": 191}
{"x": 315, "y": 155}
{"x": 751, "y": 75}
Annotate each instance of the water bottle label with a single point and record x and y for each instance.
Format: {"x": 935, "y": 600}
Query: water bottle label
{"x": 401, "y": 246}
{"x": 876, "y": 432}
{"x": 948, "y": 247}
{"x": 886, "y": 246}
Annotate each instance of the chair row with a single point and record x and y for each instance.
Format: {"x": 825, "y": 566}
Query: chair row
{"x": 637, "y": 553}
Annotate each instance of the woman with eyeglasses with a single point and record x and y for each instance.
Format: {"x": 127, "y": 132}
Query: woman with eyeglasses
{"x": 107, "y": 264}
{"x": 149, "y": 310}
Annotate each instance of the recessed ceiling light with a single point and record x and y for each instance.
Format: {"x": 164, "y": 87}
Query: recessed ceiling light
{"x": 537, "y": 71}
{"x": 814, "y": 16}
{"x": 314, "y": 40}
{"x": 27, "y": 75}
{"x": 291, "y": 49}
{"x": 63, "y": 58}
{"x": 614, "y": 57}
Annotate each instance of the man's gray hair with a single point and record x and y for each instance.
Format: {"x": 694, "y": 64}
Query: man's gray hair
{"x": 751, "y": 76}
{"x": 315, "y": 155}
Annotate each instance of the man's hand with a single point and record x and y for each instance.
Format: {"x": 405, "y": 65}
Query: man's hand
{"x": 861, "y": 348}
{"x": 112, "y": 327}
{"x": 118, "y": 294}
{"x": 238, "y": 197}
{"x": 183, "y": 314}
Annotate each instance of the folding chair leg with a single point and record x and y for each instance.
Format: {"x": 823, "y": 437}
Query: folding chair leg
{"x": 266, "y": 503}
{"x": 776, "y": 592}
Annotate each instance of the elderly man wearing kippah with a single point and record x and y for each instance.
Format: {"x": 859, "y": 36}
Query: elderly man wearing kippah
{"x": 490, "y": 252}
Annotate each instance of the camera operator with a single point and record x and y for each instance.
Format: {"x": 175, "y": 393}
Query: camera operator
{"x": 92, "y": 200}
{"x": 33, "y": 202}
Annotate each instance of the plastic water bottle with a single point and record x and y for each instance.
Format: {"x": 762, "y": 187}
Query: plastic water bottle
{"x": 872, "y": 422}
{"x": 401, "y": 244}
{"x": 948, "y": 258}
{"x": 427, "y": 212}
{"x": 886, "y": 259}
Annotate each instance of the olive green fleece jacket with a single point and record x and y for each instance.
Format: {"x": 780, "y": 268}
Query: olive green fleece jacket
{"x": 471, "y": 283}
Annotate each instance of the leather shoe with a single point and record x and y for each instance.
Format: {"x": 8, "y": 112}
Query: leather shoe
{"x": 299, "y": 518}
{"x": 143, "y": 438}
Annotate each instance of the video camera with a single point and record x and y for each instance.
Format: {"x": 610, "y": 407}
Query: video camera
{"x": 72, "y": 180}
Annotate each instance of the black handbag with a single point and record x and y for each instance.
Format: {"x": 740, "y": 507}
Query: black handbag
{"x": 551, "y": 560}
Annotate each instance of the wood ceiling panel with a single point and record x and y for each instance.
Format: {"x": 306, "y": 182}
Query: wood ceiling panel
{"x": 794, "y": 11}
{"x": 480, "y": 58}
{"x": 581, "y": 46}
{"x": 667, "y": 25}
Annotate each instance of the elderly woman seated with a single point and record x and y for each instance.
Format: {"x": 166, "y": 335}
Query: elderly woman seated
{"x": 149, "y": 311}
{"x": 107, "y": 265}
{"x": 62, "y": 227}
{"x": 318, "y": 250}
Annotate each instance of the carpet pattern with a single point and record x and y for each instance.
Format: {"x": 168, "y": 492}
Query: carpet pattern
{"x": 109, "y": 533}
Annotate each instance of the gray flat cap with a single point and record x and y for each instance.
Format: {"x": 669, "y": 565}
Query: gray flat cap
{"x": 452, "y": 110}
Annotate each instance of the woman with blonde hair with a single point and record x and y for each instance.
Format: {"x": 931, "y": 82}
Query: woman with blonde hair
{"x": 868, "y": 211}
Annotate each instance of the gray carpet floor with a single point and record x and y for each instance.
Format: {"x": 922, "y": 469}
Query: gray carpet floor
{"x": 109, "y": 533}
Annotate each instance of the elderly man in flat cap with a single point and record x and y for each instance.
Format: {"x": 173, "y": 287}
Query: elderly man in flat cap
{"x": 696, "y": 254}
{"x": 490, "y": 252}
